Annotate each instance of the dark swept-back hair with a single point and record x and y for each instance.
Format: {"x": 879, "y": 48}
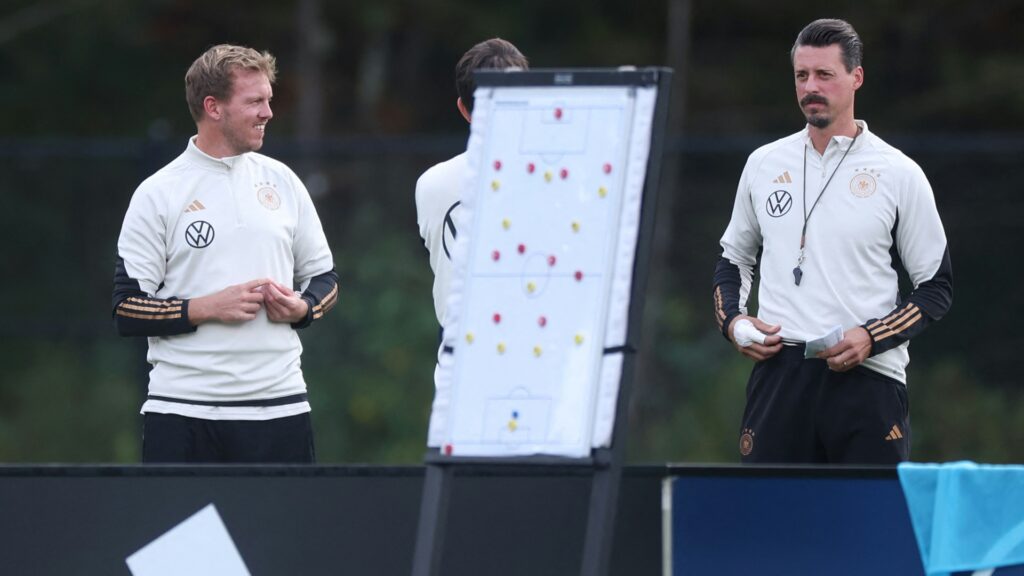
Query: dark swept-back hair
{"x": 829, "y": 31}
{"x": 489, "y": 54}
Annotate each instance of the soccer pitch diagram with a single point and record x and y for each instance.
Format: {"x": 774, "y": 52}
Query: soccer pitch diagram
{"x": 536, "y": 267}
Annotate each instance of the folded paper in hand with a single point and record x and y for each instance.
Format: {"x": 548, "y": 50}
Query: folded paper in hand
{"x": 833, "y": 337}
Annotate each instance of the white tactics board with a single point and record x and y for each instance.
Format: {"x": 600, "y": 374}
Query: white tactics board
{"x": 543, "y": 270}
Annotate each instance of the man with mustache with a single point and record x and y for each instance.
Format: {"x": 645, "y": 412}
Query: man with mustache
{"x": 211, "y": 251}
{"x": 829, "y": 209}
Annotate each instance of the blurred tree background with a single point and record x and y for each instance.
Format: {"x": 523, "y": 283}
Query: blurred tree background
{"x": 92, "y": 95}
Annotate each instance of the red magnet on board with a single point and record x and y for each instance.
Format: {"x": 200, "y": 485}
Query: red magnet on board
{"x": 607, "y": 168}
{"x": 551, "y": 260}
{"x": 497, "y": 318}
{"x": 578, "y": 275}
{"x": 558, "y": 113}
{"x": 495, "y": 255}
{"x": 564, "y": 173}
{"x": 447, "y": 449}
{"x": 530, "y": 168}
{"x": 497, "y": 164}
{"x": 542, "y": 321}
{"x": 522, "y": 248}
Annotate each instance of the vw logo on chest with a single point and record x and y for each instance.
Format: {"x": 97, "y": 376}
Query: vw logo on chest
{"x": 779, "y": 203}
{"x": 199, "y": 234}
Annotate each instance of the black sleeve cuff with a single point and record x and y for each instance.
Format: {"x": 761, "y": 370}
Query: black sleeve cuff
{"x": 725, "y": 325}
{"x": 928, "y": 303}
{"x": 309, "y": 314}
{"x": 144, "y": 316}
{"x": 321, "y": 295}
{"x": 727, "y": 282}
{"x": 138, "y": 314}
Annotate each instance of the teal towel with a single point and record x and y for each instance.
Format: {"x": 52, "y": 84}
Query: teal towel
{"x": 966, "y": 516}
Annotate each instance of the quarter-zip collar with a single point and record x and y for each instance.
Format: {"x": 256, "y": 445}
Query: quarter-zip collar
{"x": 201, "y": 158}
{"x": 837, "y": 142}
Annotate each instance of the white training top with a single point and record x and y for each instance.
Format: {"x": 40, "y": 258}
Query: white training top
{"x": 438, "y": 191}
{"x": 848, "y": 273}
{"x": 201, "y": 224}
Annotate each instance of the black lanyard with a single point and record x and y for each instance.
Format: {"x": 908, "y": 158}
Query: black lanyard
{"x": 798, "y": 274}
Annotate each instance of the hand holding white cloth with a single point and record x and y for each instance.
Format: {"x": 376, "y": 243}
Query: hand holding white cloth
{"x": 745, "y": 334}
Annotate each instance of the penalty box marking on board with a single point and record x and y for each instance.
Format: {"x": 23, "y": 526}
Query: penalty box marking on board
{"x": 555, "y": 130}
{"x": 552, "y": 138}
{"x": 517, "y": 418}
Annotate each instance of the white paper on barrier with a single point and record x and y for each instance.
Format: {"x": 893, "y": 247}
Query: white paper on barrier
{"x": 199, "y": 546}
{"x": 542, "y": 270}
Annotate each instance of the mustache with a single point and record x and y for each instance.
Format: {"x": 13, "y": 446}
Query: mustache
{"x": 813, "y": 99}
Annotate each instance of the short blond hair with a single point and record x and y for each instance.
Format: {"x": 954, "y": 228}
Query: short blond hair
{"x": 212, "y": 74}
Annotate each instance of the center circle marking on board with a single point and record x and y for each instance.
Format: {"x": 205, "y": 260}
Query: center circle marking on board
{"x": 535, "y": 275}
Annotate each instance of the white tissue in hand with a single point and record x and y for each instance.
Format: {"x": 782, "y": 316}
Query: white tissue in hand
{"x": 745, "y": 334}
